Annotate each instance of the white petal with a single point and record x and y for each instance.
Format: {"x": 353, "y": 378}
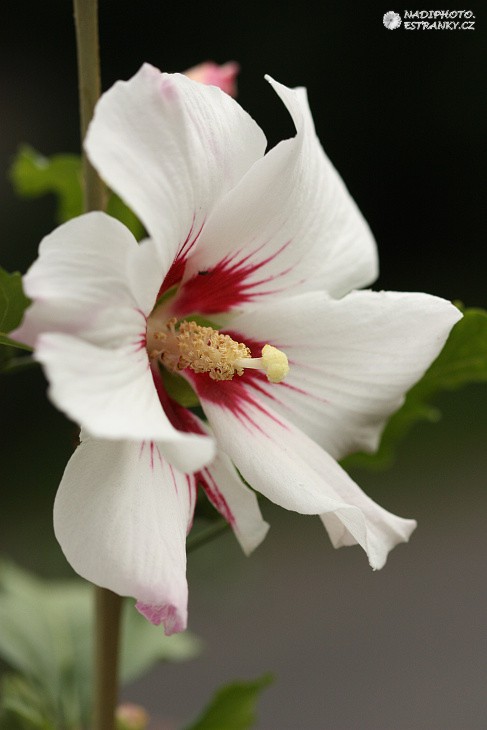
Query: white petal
{"x": 85, "y": 267}
{"x": 91, "y": 288}
{"x": 111, "y": 394}
{"x": 351, "y": 360}
{"x": 291, "y": 470}
{"x": 290, "y": 224}
{"x": 121, "y": 516}
{"x": 235, "y": 502}
{"x": 224, "y": 488}
{"x": 147, "y": 272}
{"x": 170, "y": 147}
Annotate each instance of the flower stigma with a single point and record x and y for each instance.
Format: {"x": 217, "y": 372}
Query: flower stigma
{"x": 206, "y": 350}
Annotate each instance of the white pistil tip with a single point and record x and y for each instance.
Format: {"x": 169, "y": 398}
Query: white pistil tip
{"x": 275, "y": 363}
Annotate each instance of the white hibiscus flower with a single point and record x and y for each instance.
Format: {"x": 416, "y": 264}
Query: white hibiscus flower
{"x": 268, "y": 248}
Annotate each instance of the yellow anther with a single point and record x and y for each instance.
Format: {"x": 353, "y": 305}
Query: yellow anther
{"x": 206, "y": 350}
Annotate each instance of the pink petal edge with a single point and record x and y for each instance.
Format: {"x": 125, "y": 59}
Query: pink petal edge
{"x": 166, "y": 614}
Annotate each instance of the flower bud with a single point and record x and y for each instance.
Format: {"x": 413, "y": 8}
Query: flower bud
{"x": 224, "y": 76}
{"x": 131, "y": 717}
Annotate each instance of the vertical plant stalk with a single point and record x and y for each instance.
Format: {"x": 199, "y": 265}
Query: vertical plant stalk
{"x": 107, "y": 633}
{"x": 108, "y": 605}
{"x": 89, "y": 82}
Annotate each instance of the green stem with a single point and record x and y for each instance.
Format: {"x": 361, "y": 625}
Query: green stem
{"x": 107, "y": 604}
{"x": 206, "y": 535}
{"x": 86, "y": 24}
{"x": 108, "y": 609}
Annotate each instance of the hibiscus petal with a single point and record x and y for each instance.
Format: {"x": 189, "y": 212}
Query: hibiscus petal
{"x": 121, "y": 516}
{"x": 290, "y": 224}
{"x": 291, "y": 470}
{"x": 222, "y": 484}
{"x": 86, "y": 266}
{"x": 235, "y": 502}
{"x": 351, "y": 360}
{"x": 170, "y": 147}
{"x": 91, "y": 288}
{"x": 111, "y": 393}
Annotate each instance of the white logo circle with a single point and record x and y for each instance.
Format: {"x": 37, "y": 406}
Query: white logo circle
{"x": 391, "y": 20}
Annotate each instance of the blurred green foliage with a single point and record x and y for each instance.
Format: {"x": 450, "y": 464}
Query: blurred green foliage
{"x": 34, "y": 175}
{"x": 46, "y": 637}
{"x": 12, "y": 305}
{"x": 232, "y": 706}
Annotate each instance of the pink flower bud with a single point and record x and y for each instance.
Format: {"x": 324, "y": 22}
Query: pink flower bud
{"x": 132, "y": 717}
{"x": 224, "y": 76}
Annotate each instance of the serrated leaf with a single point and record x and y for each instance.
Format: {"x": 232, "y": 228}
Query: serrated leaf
{"x": 232, "y": 706}
{"x": 463, "y": 360}
{"x": 33, "y": 175}
{"x": 46, "y": 634}
{"x": 13, "y": 302}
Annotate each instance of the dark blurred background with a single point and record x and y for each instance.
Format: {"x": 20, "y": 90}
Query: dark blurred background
{"x": 402, "y": 115}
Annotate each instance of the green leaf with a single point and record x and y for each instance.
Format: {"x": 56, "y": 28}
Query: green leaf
{"x": 45, "y": 633}
{"x": 16, "y": 364}
{"x": 13, "y": 302}
{"x": 232, "y": 706}
{"x": 46, "y": 630}
{"x": 117, "y": 209}
{"x": 22, "y": 706}
{"x": 463, "y": 360}
{"x": 9, "y": 342}
{"x": 33, "y": 175}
